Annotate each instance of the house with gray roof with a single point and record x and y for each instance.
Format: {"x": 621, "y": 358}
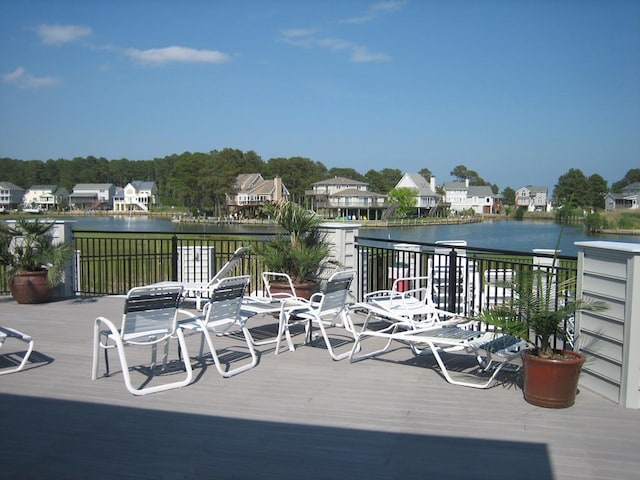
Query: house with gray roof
{"x": 11, "y": 196}
{"x": 137, "y": 195}
{"x": 92, "y": 196}
{"x": 461, "y": 196}
{"x": 341, "y": 197}
{"x": 535, "y": 199}
{"x": 251, "y": 192}
{"x": 628, "y": 199}
{"x": 45, "y": 197}
{"x": 426, "y": 196}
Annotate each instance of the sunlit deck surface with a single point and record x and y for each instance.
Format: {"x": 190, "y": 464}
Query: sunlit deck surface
{"x": 296, "y": 415}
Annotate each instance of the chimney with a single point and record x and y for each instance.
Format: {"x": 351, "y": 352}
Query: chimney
{"x": 466, "y": 182}
{"x": 277, "y": 187}
{"x": 432, "y": 183}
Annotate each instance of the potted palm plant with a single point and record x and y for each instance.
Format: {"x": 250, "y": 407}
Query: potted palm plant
{"x": 34, "y": 263}
{"x": 300, "y": 250}
{"x": 537, "y": 312}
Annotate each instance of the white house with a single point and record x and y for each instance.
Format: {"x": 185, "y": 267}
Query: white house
{"x": 460, "y": 197}
{"x": 94, "y": 196}
{"x": 45, "y": 197}
{"x": 534, "y": 198}
{"x": 251, "y": 192}
{"x": 136, "y": 196}
{"x": 346, "y": 198}
{"x": 11, "y": 196}
{"x": 627, "y": 199}
{"x": 426, "y": 197}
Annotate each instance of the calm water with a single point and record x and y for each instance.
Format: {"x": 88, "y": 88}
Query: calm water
{"x": 503, "y": 235}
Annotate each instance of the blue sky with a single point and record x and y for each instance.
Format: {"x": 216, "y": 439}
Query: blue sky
{"x": 519, "y": 91}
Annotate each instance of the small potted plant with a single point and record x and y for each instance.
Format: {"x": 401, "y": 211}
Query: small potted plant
{"x": 536, "y": 312}
{"x": 34, "y": 264}
{"x": 300, "y": 251}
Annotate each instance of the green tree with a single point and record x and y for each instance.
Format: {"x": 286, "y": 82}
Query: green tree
{"x": 597, "y": 191}
{"x": 426, "y": 173}
{"x": 572, "y": 190}
{"x": 404, "y": 198}
{"x": 632, "y": 176}
{"x": 509, "y": 196}
{"x": 349, "y": 173}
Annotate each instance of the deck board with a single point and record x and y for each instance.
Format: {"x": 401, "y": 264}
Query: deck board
{"x": 296, "y": 415}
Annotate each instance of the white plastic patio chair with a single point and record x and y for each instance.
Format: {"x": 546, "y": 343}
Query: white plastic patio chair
{"x": 201, "y": 291}
{"x": 329, "y": 308}
{"x": 149, "y": 319}
{"x": 222, "y": 316}
{"x": 11, "y": 333}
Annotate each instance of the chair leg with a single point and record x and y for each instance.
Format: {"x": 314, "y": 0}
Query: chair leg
{"x": 216, "y": 360}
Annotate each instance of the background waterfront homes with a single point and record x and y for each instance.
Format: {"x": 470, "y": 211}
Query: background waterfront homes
{"x": 11, "y": 196}
{"x": 426, "y": 197}
{"x": 627, "y": 199}
{"x": 251, "y": 192}
{"x": 460, "y": 197}
{"x": 45, "y": 197}
{"x": 92, "y": 196}
{"x": 136, "y": 196}
{"x": 345, "y": 198}
{"x": 535, "y": 199}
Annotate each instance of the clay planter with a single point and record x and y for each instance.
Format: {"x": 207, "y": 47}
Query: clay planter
{"x": 303, "y": 290}
{"x": 30, "y": 287}
{"x": 551, "y": 383}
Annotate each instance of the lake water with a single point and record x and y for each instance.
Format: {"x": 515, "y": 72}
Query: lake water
{"x": 497, "y": 234}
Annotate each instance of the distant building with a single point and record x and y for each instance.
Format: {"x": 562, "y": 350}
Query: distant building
{"x": 136, "y": 196}
{"x": 535, "y": 199}
{"x": 341, "y": 197}
{"x": 251, "y": 192}
{"x": 92, "y": 196}
{"x": 45, "y": 197}
{"x": 461, "y": 196}
{"x": 426, "y": 196}
{"x": 628, "y": 199}
{"x": 11, "y": 196}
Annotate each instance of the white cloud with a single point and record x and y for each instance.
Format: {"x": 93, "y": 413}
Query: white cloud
{"x": 23, "y": 80}
{"x": 61, "y": 34}
{"x": 389, "y": 6}
{"x": 308, "y": 39}
{"x": 159, "y": 56}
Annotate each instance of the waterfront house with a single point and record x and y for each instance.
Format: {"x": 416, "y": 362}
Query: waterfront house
{"x": 251, "y": 192}
{"x": 628, "y": 199}
{"x": 136, "y": 196}
{"x": 426, "y": 196}
{"x": 346, "y": 198}
{"x": 535, "y": 199}
{"x": 92, "y": 196}
{"x": 461, "y": 197}
{"x": 45, "y": 197}
{"x": 10, "y": 196}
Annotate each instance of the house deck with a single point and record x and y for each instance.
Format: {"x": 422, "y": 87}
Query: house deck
{"x": 296, "y": 415}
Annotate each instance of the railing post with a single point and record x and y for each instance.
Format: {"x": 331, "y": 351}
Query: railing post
{"x": 453, "y": 281}
{"x": 174, "y": 258}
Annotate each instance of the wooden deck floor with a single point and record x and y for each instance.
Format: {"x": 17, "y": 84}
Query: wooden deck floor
{"x": 297, "y": 415}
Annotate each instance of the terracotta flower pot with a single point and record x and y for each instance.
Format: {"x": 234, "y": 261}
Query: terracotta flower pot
{"x": 552, "y": 383}
{"x": 31, "y": 287}
{"x": 303, "y": 290}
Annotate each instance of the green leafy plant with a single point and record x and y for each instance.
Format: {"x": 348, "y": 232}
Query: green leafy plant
{"x": 539, "y": 308}
{"x": 300, "y": 251}
{"x": 28, "y": 246}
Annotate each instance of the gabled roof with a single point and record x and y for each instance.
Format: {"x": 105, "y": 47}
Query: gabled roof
{"x": 339, "y": 181}
{"x": 47, "y": 188}
{"x": 632, "y": 186}
{"x": 480, "y": 191}
{"x": 421, "y": 183}
{"x": 142, "y": 185}
{"x": 534, "y": 189}
{"x": 10, "y": 186}
{"x": 245, "y": 181}
{"x": 455, "y": 186}
{"x": 92, "y": 186}
{"x": 354, "y": 192}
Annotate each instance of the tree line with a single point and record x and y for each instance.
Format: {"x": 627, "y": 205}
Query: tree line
{"x": 201, "y": 180}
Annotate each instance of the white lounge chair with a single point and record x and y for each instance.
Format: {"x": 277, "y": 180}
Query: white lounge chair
{"x": 10, "y": 333}
{"x": 492, "y": 350}
{"x": 328, "y": 308}
{"x": 222, "y": 316}
{"x": 200, "y": 291}
{"x": 149, "y": 319}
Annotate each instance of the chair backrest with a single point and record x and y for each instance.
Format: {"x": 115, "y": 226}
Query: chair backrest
{"x": 151, "y": 309}
{"x": 278, "y": 285}
{"x": 336, "y": 291}
{"x": 227, "y": 269}
{"x": 226, "y": 300}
